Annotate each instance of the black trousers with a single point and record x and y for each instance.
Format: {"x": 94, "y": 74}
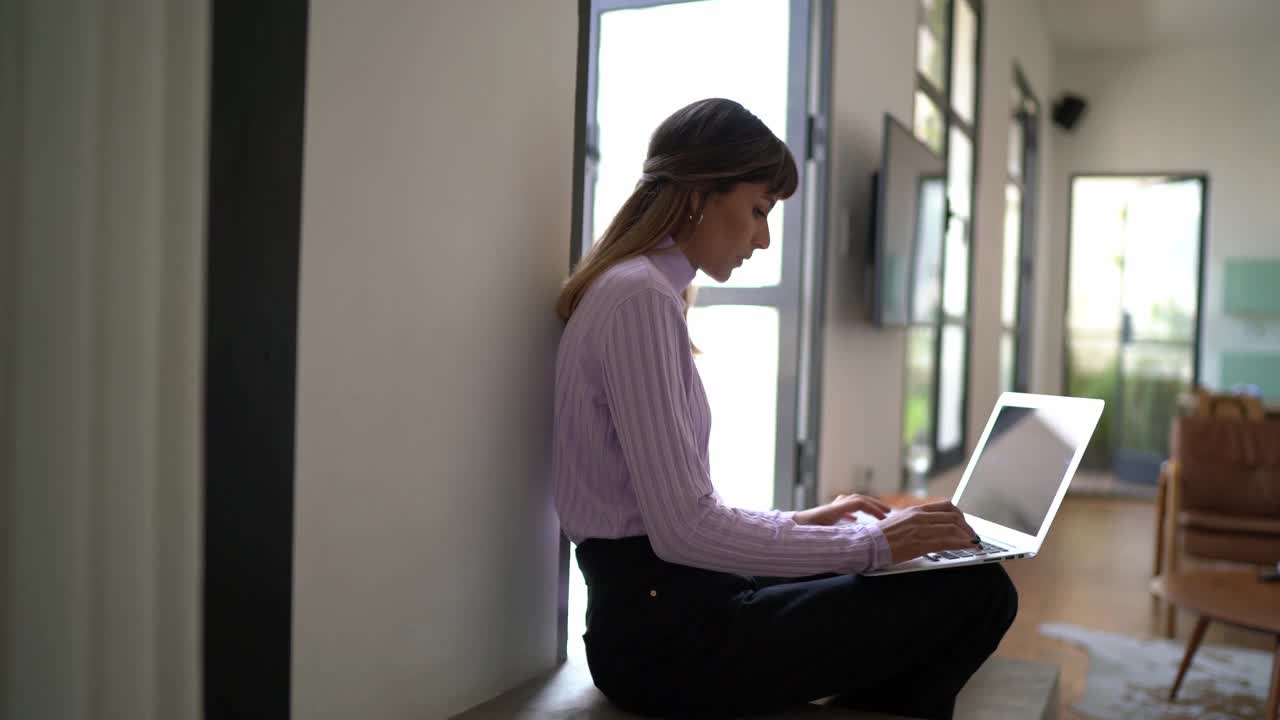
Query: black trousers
{"x": 674, "y": 641}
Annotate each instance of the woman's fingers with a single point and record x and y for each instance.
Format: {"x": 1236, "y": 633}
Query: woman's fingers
{"x": 939, "y": 518}
{"x": 878, "y": 504}
{"x": 940, "y": 507}
{"x": 853, "y": 503}
{"x": 943, "y": 513}
{"x": 944, "y": 533}
{"x": 872, "y": 508}
{"x": 925, "y": 529}
{"x": 938, "y": 538}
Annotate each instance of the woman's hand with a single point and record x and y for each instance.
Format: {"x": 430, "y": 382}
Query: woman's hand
{"x": 844, "y": 506}
{"x": 934, "y": 527}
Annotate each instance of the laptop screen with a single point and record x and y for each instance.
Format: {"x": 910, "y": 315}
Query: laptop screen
{"x": 1022, "y": 465}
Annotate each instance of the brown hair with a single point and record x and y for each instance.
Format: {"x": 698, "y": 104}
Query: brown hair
{"x": 708, "y": 146}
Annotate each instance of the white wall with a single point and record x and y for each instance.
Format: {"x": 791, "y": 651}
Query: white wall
{"x": 436, "y": 223}
{"x": 1015, "y": 33}
{"x": 105, "y": 114}
{"x": 874, "y": 72}
{"x": 1185, "y": 110}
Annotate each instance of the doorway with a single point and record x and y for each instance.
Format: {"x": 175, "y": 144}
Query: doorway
{"x": 759, "y": 334}
{"x": 1133, "y": 311}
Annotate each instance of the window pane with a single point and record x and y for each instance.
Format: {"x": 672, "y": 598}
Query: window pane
{"x": 951, "y": 388}
{"x": 739, "y": 369}
{"x": 1093, "y": 372}
{"x": 1135, "y": 249}
{"x": 1097, "y": 255}
{"x": 928, "y": 122}
{"x": 917, "y": 406}
{"x": 1012, "y": 255}
{"x": 1154, "y": 376}
{"x": 930, "y": 53}
{"x": 960, "y": 172}
{"x": 750, "y": 36}
{"x": 928, "y": 262}
{"x": 964, "y": 59}
{"x": 1162, "y": 258}
{"x": 955, "y": 284}
{"x": 1015, "y": 146}
{"x": 933, "y": 13}
{"x": 1006, "y": 362}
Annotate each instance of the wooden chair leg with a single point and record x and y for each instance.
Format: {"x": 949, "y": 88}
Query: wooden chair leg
{"x": 1196, "y": 636}
{"x": 1170, "y": 560}
{"x": 1157, "y": 562}
{"x": 1273, "y": 698}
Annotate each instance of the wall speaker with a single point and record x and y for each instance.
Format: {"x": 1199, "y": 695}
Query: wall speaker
{"x": 1067, "y": 111}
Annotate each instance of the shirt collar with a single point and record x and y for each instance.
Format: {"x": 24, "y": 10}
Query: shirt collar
{"x": 673, "y": 264}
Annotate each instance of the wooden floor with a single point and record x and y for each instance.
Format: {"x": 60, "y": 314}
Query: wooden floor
{"x": 1094, "y": 571}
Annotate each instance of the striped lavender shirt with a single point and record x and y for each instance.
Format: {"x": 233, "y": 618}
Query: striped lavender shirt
{"x": 631, "y": 434}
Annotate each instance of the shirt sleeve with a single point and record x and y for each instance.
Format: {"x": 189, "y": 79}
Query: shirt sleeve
{"x": 646, "y": 359}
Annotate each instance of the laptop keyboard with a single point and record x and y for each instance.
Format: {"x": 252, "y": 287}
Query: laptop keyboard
{"x": 985, "y": 549}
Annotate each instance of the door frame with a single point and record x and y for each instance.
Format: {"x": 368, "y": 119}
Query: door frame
{"x": 1198, "y": 331}
{"x": 808, "y": 124}
{"x": 800, "y": 307}
{"x": 1025, "y": 302}
{"x": 256, "y": 114}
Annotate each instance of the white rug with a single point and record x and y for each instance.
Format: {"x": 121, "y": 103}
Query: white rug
{"x": 1129, "y": 678}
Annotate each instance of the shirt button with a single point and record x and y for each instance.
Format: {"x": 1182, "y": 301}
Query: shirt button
{"x": 653, "y": 593}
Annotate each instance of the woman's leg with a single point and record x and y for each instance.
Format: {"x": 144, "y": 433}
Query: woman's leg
{"x": 902, "y": 644}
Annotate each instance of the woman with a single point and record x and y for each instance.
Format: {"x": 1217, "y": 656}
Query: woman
{"x": 696, "y": 608}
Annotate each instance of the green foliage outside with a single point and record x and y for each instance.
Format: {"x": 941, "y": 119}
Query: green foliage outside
{"x": 916, "y": 419}
{"x": 1096, "y": 384}
{"x": 1151, "y": 402}
{"x": 917, "y": 403}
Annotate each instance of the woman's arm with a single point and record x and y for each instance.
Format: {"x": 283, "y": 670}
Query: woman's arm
{"x": 645, "y": 361}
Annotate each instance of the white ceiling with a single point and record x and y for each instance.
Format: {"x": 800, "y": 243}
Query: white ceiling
{"x": 1106, "y": 25}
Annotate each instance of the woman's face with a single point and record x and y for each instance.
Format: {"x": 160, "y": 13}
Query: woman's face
{"x": 734, "y": 225}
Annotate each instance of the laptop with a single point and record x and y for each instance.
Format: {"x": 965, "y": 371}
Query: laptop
{"x": 1016, "y": 478}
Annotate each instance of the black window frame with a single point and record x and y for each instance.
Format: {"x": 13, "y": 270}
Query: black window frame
{"x": 1028, "y": 184}
{"x": 808, "y": 223}
{"x": 943, "y": 460}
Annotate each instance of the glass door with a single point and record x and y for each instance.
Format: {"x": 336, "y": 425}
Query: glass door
{"x": 1133, "y": 311}
{"x": 758, "y": 332}
{"x": 650, "y": 59}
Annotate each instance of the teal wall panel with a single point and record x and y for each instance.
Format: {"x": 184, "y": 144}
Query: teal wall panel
{"x": 1256, "y": 368}
{"x": 1251, "y": 286}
